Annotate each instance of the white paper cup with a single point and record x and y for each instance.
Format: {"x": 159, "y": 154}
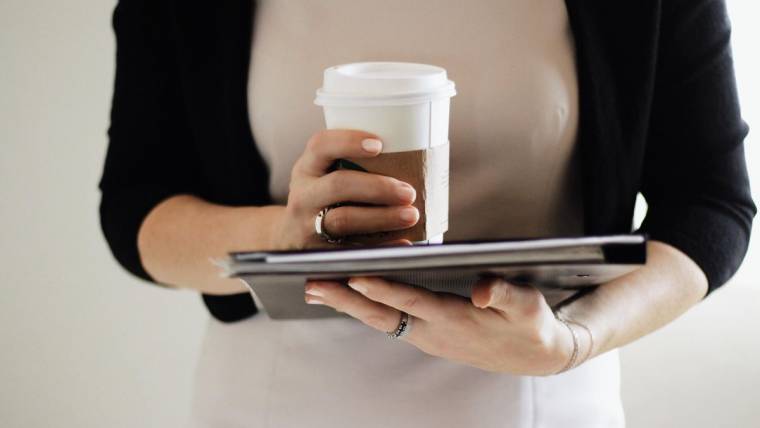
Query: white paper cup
{"x": 405, "y": 104}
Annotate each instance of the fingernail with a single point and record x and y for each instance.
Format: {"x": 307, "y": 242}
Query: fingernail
{"x": 372, "y": 145}
{"x": 357, "y": 286}
{"x": 314, "y": 301}
{"x": 490, "y": 301}
{"x": 408, "y": 214}
{"x": 314, "y": 292}
{"x": 493, "y": 292}
{"x": 406, "y": 192}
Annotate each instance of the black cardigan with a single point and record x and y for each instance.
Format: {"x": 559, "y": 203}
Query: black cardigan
{"x": 658, "y": 115}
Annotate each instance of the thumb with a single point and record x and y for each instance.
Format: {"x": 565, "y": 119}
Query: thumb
{"x": 506, "y": 297}
{"x": 487, "y": 291}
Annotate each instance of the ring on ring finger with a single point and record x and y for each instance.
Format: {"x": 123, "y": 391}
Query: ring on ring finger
{"x": 319, "y": 226}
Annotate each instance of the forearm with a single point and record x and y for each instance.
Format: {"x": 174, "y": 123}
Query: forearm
{"x": 182, "y": 234}
{"x": 639, "y": 303}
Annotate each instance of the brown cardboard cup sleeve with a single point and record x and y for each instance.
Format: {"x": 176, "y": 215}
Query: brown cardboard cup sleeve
{"x": 428, "y": 172}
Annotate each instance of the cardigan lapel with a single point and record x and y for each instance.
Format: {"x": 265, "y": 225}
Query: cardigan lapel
{"x": 614, "y": 90}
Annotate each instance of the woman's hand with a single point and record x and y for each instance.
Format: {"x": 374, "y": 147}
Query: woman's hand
{"x": 504, "y": 328}
{"x": 312, "y": 188}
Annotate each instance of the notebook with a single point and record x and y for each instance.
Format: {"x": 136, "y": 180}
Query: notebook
{"x": 556, "y": 266}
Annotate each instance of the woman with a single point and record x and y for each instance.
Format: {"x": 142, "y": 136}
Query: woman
{"x": 564, "y": 114}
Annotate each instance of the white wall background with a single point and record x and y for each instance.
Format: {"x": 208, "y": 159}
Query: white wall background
{"x": 84, "y": 345}
{"x": 745, "y": 17}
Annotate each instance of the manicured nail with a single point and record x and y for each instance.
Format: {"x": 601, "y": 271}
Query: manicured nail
{"x": 357, "y": 286}
{"x": 315, "y": 292}
{"x": 409, "y": 214}
{"x": 314, "y": 301}
{"x": 406, "y": 192}
{"x": 372, "y": 145}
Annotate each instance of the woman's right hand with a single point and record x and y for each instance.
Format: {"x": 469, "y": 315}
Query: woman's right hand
{"x": 313, "y": 187}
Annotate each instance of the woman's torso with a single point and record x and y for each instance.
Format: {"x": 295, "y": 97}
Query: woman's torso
{"x": 513, "y": 173}
{"x": 513, "y": 122}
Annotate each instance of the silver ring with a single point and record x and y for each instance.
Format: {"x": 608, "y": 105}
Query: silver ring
{"x": 404, "y": 327}
{"x": 319, "y": 226}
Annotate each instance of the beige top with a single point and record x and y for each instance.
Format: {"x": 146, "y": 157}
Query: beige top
{"x": 513, "y": 121}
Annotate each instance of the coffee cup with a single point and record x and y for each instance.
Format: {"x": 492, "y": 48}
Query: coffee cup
{"x": 407, "y": 106}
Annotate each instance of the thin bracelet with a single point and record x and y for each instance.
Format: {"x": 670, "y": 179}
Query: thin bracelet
{"x": 590, "y": 339}
{"x": 573, "y": 357}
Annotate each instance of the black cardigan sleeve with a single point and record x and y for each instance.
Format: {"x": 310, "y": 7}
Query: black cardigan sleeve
{"x": 148, "y": 158}
{"x": 150, "y": 154}
{"x": 695, "y": 176}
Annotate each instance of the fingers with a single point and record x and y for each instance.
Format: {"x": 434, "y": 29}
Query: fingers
{"x": 398, "y": 242}
{"x": 415, "y": 301}
{"x": 312, "y": 188}
{"x": 346, "y": 300}
{"x": 324, "y": 147}
{"x": 352, "y": 220}
{"x": 357, "y": 186}
{"x": 515, "y": 302}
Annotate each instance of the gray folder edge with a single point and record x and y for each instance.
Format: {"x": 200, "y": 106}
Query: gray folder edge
{"x": 557, "y": 267}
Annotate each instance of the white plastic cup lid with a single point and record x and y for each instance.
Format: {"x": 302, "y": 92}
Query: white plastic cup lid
{"x": 383, "y": 83}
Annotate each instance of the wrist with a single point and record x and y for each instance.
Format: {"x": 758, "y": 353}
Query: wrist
{"x": 259, "y": 227}
{"x": 568, "y": 346}
{"x": 581, "y": 343}
{"x": 278, "y": 231}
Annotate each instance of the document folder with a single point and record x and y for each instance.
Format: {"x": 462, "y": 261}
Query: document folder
{"x": 276, "y": 278}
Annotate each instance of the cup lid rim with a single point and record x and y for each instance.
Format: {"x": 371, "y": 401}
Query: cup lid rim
{"x": 327, "y": 98}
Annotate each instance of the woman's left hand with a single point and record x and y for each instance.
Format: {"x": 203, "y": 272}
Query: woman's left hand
{"x": 505, "y": 328}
